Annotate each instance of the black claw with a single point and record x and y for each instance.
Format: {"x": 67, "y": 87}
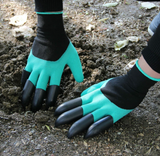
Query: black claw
{"x": 25, "y": 76}
{"x": 68, "y": 106}
{"x": 38, "y": 100}
{"x": 80, "y": 125}
{"x": 69, "y": 116}
{"x": 27, "y": 93}
{"x": 99, "y": 126}
{"x": 52, "y": 94}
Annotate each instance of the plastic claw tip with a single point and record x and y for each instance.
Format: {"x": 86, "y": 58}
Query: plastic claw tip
{"x": 80, "y": 125}
{"x": 68, "y": 106}
{"x": 99, "y": 126}
{"x": 69, "y": 116}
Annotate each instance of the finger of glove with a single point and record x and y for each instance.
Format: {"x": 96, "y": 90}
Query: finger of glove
{"x": 92, "y": 88}
{"x": 29, "y": 88}
{"x": 75, "y": 64}
{"x": 86, "y": 99}
{"x": 87, "y": 120}
{"x": 53, "y": 89}
{"x": 27, "y": 93}
{"x": 99, "y": 126}
{"x": 101, "y": 112}
{"x": 56, "y": 77}
{"x": 74, "y": 113}
{"x": 52, "y": 94}
{"x": 69, "y": 116}
{"x": 38, "y": 100}
{"x": 90, "y": 107}
{"x": 80, "y": 125}
{"x": 34, "y": 77}
{"x": 42, "y": 82}
{"x": 102, "y": 106}
{"x": 40, "y": 92}
{"x": 25, "y": 76}
{"x": 68, "y": 106}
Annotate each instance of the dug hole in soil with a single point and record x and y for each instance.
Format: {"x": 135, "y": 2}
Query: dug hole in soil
{"x": 93, "y": 29}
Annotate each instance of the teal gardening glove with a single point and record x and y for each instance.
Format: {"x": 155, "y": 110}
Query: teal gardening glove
{"x": 51, "y": 51}
{"x": 103, "y": 104}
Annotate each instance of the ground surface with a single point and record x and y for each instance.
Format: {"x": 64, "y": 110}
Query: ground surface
{"x": 25, "y": 133}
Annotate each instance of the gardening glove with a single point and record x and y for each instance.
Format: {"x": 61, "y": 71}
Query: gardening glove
{"x": 103, "y": 104}
{"x": 51, "y": 51}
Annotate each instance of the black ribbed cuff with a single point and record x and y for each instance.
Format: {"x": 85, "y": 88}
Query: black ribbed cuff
{"x": 48, "y": 5}
{"x": 152, "y": 52}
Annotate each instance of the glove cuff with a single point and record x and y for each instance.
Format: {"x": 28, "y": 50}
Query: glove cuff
{"x": 128, "y": 91}
{"x": 152, "y": 52}
{"x": 48, "y": 5}
{"x": 151, "y": 78}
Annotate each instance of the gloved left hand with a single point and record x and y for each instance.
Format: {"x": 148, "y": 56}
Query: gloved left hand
{"x": 103, "y": 104}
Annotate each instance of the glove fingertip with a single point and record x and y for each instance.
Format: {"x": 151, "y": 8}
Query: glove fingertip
{"x": 79, "y": 78}
{"x": 27, "y": 92}
{"x": 80, "y": 125}
{"x": 52, "y": 94}
{"x": 38, "y": 100}
{"x": 69, "y": 116}
{"x": 25, "y": 76}
{"x": 99, "y": 126}
{"x": 83, "y": 93}
{"x": 88, "y": 90}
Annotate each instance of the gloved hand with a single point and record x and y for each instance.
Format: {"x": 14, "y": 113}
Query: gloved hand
{"x": 51, "y": 51}
{"x": 103, "y": 104}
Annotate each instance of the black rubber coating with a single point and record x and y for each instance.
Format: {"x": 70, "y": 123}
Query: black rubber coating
{"x": 99, "y": 126}
{"x": 27, "y": 93}
{"x": 52, "y": 94}
{"x": 68, "y": 106}
{"x": 25, "y": 76}
{"x": 80, "y": 125}
{"x": 69, "y": 116}
{"x": 38, "y": 100}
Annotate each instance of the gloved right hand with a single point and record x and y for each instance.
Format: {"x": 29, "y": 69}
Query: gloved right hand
{"x": 51, "y": 51}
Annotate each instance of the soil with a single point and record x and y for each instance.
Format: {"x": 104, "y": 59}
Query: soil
{"x": 25, "y": 133}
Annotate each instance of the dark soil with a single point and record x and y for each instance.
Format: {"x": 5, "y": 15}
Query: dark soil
{"x": 25, "y": 133}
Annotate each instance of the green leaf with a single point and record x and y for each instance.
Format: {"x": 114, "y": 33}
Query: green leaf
{"x": 47, "y": 127}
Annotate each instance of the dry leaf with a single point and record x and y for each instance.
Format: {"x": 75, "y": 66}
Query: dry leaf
{"x": 18, "y": 20}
